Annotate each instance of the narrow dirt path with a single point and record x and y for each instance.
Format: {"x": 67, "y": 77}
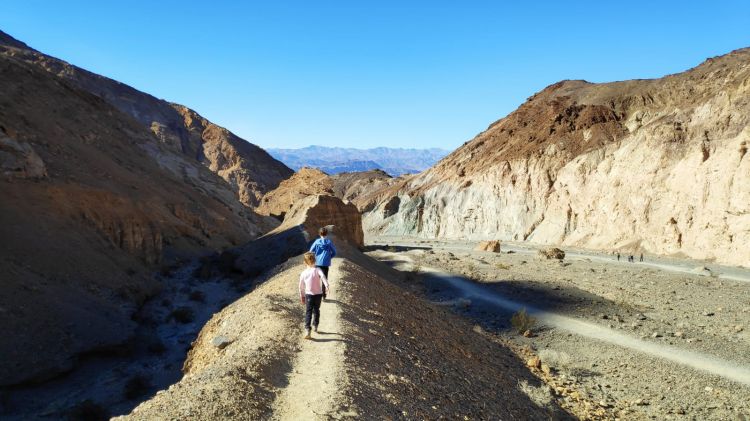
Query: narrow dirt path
{"x": 316, "y": 381}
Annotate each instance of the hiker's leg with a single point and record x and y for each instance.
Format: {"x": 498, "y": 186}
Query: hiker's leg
{"x": 316, "y": 309}
{"x": 308, "y": 310}
{"x": 324, "y": 269}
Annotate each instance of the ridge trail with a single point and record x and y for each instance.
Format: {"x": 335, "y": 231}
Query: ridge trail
{"x": 317, "y": 379}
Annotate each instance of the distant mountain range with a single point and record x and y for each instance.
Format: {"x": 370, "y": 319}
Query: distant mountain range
{"x": 394, "y": 161}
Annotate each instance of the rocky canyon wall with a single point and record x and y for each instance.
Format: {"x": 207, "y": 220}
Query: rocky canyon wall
{"x": 657, "y": 165}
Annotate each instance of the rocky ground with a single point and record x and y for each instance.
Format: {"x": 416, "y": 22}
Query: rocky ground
{"x": 383, "y": 352}
{"x": 649, "y": 316}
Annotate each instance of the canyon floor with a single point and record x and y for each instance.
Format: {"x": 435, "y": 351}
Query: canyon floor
{"x": 662, "y": 339}
{"x": 419, "y": 329}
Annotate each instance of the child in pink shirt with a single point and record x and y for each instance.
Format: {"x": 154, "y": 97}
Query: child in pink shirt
{"x": 311, "y": 283}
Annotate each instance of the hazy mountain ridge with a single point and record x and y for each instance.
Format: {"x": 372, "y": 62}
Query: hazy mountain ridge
{"x": 334, "y": 160}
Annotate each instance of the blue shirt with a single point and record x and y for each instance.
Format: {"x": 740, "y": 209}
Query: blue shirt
{"x": 324, "y": 251}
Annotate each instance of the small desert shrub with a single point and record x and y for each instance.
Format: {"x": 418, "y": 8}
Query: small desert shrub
{"x": 541, "y": 395}
{"x": 502, "y": 266}
{"x": 197, "y": 296}
{"x": 521, "y": 321}
{"x": 471, "y": 267}
{"x": 136, "y": 386}
{"x": 182, "y": 315}
{"x": 88, "y": 410}
{"x": 555, "y": 359}
{"x": 391, "y": 249}
{"x": 413, "y": 274}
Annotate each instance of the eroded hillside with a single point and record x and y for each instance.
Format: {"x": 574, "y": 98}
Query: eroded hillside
{"x": 249, "y": 170}
{"x": 83, "y": 220}
{"x": 654, "y": 165}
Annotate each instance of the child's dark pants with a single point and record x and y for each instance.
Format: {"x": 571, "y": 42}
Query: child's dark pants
{"x": 312, "y": 310}
{"x": 324, "y": 269}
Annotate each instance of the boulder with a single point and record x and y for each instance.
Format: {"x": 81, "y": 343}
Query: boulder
{"x": 491, "y": 245}
{"x": 551, "y": 253}
{"x": 702, "y": 270}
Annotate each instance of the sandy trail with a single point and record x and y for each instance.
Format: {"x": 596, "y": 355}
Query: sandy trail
{"x": 315, "y": 383}
{"x": 677, "y": 266}
{"x": 695, "y": 360}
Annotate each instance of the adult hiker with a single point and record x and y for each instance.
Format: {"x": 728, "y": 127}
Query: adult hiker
{"x": 324, "y": 251}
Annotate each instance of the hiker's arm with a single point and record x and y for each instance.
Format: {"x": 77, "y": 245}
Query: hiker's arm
{"x": 301, "y": 289}
{"x": 313, "y": 246}
{"x": 333, "y": 250}
{"x": 324, "y": 279}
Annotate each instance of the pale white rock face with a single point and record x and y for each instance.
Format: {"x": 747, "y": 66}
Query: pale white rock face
{"x": 677, "y": 182}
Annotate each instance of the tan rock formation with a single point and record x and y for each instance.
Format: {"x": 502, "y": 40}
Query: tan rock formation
{"x": 305, "y": 182}
{"x": 551, "y": 253}
{"x": 318, "y": 211}
{"x": 299, "y": 229}
{"x": 490, "y": 245}
{"x": 657, "y": 164}
{"x": 350, "y": 186}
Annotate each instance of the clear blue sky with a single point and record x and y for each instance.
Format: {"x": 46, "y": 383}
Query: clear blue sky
{"x": 366, "y": 74}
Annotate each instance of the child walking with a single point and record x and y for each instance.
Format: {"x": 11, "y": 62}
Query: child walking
{"x": 312, "y": 283}
{"x": 324, "y": 251}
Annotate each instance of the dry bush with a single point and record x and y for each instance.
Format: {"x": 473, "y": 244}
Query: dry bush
{"x": 502, "y": 266}
{"x": 542, "y": 395}
{"x": 521, "y": 321}
{"x": 413, "y": 274}
{"x": 556, "y": 359}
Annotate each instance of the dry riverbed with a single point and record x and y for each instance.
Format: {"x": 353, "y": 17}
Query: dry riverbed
{"x": 659, "y": 314}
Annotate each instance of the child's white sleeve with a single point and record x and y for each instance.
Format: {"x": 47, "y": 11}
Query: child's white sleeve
{"x": 323, "y": 278}
{"x": 302, "y": 284}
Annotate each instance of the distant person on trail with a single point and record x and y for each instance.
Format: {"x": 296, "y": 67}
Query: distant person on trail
{"x": 312, "y": 283}
{"x": 618, "y": 257}
{"x": 641, "y": 257}
{"x": 324, "y": 251}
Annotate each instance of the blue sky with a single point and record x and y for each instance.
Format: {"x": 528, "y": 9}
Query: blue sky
{"x": 366, "y": 74}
